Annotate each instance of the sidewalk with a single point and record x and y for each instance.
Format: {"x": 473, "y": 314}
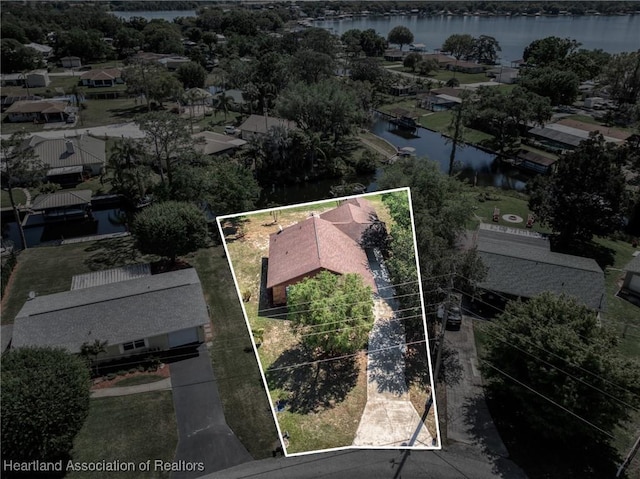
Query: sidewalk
{"x": 162, "y": 385}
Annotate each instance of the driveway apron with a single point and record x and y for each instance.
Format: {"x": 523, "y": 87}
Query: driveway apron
{"x": 204, "y": 436}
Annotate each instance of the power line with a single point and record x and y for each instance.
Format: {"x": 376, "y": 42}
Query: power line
{"x": 563, "y": 371}
{"x": 548, "y": 399}
{"x": 554, "y": 354}
{"x": 424, "y": 280}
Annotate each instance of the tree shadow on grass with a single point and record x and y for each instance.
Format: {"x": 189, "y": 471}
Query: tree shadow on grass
{"x": 128, "y": 113}
{"x": 112, "y": 253}
{"x": 538, "y": 457}
{"x": 312, "y": 387}
{"x": 601, "y": 254}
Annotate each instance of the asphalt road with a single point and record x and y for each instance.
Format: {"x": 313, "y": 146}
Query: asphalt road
{"x": 457, "y": 461}
{"x": 203, "y": 434}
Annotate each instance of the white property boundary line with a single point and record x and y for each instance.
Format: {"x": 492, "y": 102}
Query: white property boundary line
{"x": 407, "y": 190}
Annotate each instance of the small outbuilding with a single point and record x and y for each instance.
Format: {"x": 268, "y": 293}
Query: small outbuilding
{"x": 71, "y": 62}
{"x": 632, "y": 276}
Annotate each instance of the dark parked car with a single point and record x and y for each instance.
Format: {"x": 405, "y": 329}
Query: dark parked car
{"x": 454, "y": 318}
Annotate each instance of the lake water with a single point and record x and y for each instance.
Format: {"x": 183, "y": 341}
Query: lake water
{"x": 168, "y": 15}
{"x": 613, "y": 34}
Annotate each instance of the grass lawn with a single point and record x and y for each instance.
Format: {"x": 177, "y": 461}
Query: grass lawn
{"x": 384, "y": 145}
{"x": 49, "y": 269}
{"x": 105, "y": 112}
{"x": 132, "y": 428}
{"x": 58, "y": 86}
{"x": 18, "y": 196}
{"x": 463, "y": 78}
{"x": 440, "y": 121}
{"x": 485, "y": 199}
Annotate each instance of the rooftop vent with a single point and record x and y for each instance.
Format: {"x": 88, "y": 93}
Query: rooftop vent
{"x": 70, "y": 147}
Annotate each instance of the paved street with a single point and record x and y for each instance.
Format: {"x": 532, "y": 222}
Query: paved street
{"x": 119, "y": 130}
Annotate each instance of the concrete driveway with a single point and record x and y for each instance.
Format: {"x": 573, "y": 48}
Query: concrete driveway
{"x": 203, "y": 434}
{"x": 468, "y": 418}
{"x": 389, "y": 418}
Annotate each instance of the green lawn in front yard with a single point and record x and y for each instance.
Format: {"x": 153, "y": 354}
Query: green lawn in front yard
{"x": 105, "y": 112}
{"x": 60, "y": 85}
{"x": 18, "y": 196}
{"x": 132, "y": 428}
{"x": 463, "y": 78}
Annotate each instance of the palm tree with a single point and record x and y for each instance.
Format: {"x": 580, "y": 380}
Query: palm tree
{"x": 223, "y": 103}
{"x": 130, "y": 171}
{"x": 250, "y": 94}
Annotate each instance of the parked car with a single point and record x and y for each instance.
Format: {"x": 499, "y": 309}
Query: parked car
{"x": 454, "y": 318}
{"x": 230, "y": 130}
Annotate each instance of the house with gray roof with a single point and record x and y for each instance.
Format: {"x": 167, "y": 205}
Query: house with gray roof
{"x": 259, "y": 125}
{"x": 69, "y": 158}
{"x": 135, "y": 316}
{"x": 632, "y": 276}
{"x": 520, "y": 264}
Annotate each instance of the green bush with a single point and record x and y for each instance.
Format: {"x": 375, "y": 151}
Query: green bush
{"x": 7, "y": 268}
{"x": 111, "y": 376}
{"x": 133, "y": 370}
{"x": 122, "y": 372}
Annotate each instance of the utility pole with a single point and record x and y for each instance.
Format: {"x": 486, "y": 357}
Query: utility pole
{"x": 443, "y": 329}
{"x": 629, "y": 458}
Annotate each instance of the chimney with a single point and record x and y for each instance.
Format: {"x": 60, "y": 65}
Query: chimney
{"x": 70, "y": 148}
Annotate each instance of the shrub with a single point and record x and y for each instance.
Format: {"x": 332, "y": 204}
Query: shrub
{"x": 111, "y": 376}
{"x": 133, "y": 370}
{"x": 122, "y": 372}
{"x": 7, "y": 268}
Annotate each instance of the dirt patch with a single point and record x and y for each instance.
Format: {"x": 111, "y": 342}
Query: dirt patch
{"x": 100, "y": 383}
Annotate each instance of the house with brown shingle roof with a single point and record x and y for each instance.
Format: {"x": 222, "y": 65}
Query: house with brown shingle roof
{"x": 99, "y": 78}
{"x": 319, "y": 244}
{"x": 352, "y": 217}
{"x": 44, "y": 111}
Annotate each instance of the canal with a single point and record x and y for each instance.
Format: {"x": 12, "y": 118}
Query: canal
{"x": 472, "y": 164}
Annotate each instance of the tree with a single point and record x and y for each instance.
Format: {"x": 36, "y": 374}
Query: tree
{"x": 351, "y": 39}
{"x": 586, "y": 194}
{"x": 130, "y": 171}
{"x": 412, "y": 60}
{"x": 440, "y": 212}
{"x": 161, "y": 36}
{"x": 151, "y": 80}
{"x": 372, "y": 44}
{"x": 560, "y": 86}
{"x": 588, "y": 64}
{"x": 126, "y": 41}
{"x": 223, "y": 185}
{"x": 459, "y": 45}
{"x": 192, "y": 75}
{"x": 369, "y": 70}
{"x": 400, "y": 35}
{"x": 166, "y": 136}
{"x": 311, "y": 67}
{"x": 45, "y": 401}
{"x": 507, "y": 114}
{"x": 325, "y": 107}
{"x": 549, "y": 51}
{"x": 86, "y": 44}
{"x": 319, "y": 40}
{"x": 20, "y": 166}
{"x": 462, "y": 114}
{"x": 18, "y": 58}
{"x": 623, "y": 77}
{"x": 170, "y": 229}
{"x": 209, "y": 39}
{"x": 558, "y": 348}
{"x": 321, "y": 307}
{"x": 427, "y": 66}
{"x": 485, "y": 49}
{"x": 223, "y": 103}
